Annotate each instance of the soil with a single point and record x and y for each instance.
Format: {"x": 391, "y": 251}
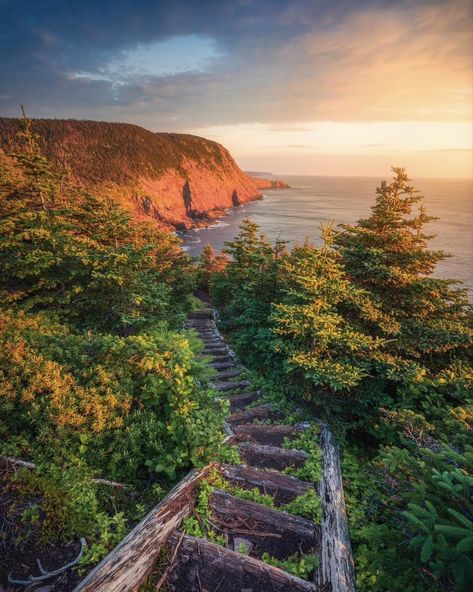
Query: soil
{"x": 21, "y": 545}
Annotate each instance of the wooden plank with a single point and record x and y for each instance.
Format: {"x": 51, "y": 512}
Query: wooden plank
{"x": 242, "y": 399}
{"x": 273, "y": 435}
{"x": 266, "y": 411}
{"x": 269, "y": 531}
{"x": 271, "y": 457}
{"x": 284, "y": 488}
{"x": 129, "y": 563}
{"x": 336, "y": 565}
{"x": 202, "y": 565}
{"x": 231, "y": 386}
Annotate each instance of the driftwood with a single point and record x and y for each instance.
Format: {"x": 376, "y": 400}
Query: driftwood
{"x": 271, "y": 457}
{"x": 284, "y": 488}
{"x": 336, "y": 564}
{"x": 203, "y": 565}
{"x": 125, "y": 568}
{"x": 16, "y": 462}
{"x": 273, "y": 435}
{"x": 243, "y": 518}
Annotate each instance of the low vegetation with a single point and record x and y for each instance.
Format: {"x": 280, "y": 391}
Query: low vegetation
{"x": 97, "y": 377}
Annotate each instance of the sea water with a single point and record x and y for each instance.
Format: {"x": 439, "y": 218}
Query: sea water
{"x": 295, "y": 214}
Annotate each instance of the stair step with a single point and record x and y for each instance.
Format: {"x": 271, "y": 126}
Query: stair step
{"x": 231, "y": 386}
{"x": 271, "y": 457}
{"x": 241, "y": 400}
{"x": 215, "y": 351}
{"x": 218, "y": 343}
{"x": 284, "y": 488}
{"x": 200, "y": 314}
{"x": 269, "y": 531}
{"x": 223, "y": 365}
{"x": 262, "y": 412}
{"x": 204, "y": 566}
{"x": 224, "y": 375}
{"x": 273, "y": 435}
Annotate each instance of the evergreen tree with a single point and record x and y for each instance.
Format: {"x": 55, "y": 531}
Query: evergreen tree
{"x": 387, "y": 254}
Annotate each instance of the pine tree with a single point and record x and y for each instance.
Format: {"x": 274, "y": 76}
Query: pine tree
{"x": 388, "y": 255}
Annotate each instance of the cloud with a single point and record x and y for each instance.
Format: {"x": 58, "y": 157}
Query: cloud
{"x": 272, "y": 61}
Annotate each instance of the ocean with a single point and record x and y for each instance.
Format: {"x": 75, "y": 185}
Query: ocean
{"x": 294, "y": 214}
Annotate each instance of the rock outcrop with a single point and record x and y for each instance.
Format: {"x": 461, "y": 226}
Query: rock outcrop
{"x": 175, "y": 180}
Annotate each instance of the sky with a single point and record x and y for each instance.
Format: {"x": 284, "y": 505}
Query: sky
{"x": 321, "y": 87}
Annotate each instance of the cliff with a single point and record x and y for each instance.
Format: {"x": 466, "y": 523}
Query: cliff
{"x": 172, "y": 179}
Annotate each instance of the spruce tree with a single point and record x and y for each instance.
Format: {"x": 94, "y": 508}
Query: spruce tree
{"x": 428, "y": 319}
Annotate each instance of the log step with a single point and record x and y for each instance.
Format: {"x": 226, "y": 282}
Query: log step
{"x": 222, "y": 365}
{"x": 224, "y": 375}
{"x": 271, "y": 457}
{"x": 216, "y": 352}
{"x": 273, "y": 435}
{"x": 269, "y": 531}
{"x": 200, "y": 314}
{"x": 284, "y": 488}
{"x": 261, "y": 412}
{"x": 241, "y": 400}
{"x": 204, "y": 566}
{"x": 231, "y": 386}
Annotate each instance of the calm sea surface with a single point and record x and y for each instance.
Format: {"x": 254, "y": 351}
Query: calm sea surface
{"x": 294, "y": 214}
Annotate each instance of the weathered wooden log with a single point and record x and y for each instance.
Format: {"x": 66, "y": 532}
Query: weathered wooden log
{"x": 273, "y": 435}
{"x": 202, "y": 565}
{"x": 271, "y": 457}
{"x": 125, "y": 568}
{"x": 242, "y": 399}
{"x": 226, "y": 375}
{"x": 266, "y": 411}
{"x": 231, "y": 386}
{"x": 200, "y": 314}
{"x": 270, "y": 531}
{"x": 284, "y": 488}
{"x": 216, "y": 353}
{"x": 222, "y": 365}
{"x": 336, "y": 565}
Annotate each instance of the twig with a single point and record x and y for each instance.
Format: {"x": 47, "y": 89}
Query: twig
{"x": 49, "y": 574}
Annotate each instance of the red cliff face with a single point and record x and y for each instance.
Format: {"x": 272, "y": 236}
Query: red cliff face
{"x": 171, "y": 179}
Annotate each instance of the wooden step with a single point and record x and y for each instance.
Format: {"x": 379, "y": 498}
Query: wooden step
{"x": 223, "y": 365}
{"x": 284, "y": 488}
{"x": 225, "y": 375}
{"x": 271, "y": 457}
{"x": 231, "y": 386}
{"x": 218, "y": 343}
{"x": 273, "y": 435}
{"x": 200, "y": 314}
{"x": 269, "y": 531}
{"x": 202, "y": 566}
{"x": 261, "y": 412}
{"x": 215, "y": 351}
{"x": 241, "y": 400}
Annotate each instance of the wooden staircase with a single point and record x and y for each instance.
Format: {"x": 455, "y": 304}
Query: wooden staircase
{"x": 249, "y": 529}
